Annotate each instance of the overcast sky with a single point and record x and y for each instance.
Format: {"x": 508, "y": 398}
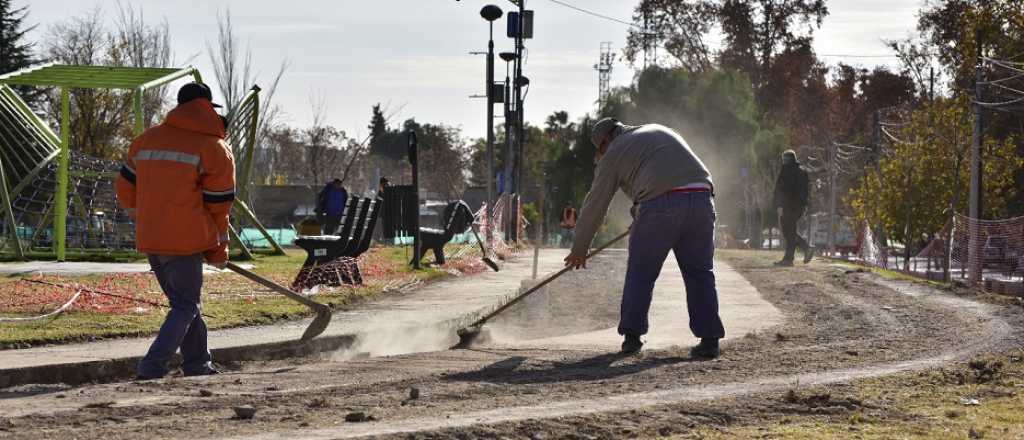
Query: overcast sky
{"x": 413, "y": 55}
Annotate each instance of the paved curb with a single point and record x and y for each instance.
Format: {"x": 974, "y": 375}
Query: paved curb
{"x": 111, "y": 370}
{"x": 120, "y": 369}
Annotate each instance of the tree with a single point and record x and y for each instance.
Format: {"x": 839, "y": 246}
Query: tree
{"x": 232, "y": 68}
{"x": 679, "y": 25}
{"x": 15, "y": 51}
{"x": 958, "y": 32}
{"x": 102, "y": 124}
{"x": 443, "y": 159}
{"x": 920, "y": 175}
{"x": 311, "y": 155}
{"x": 756, "y": 32}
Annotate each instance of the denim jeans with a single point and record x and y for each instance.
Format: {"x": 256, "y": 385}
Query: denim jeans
{"x": 181, "y": 278}
{"x": 685, "y": 224}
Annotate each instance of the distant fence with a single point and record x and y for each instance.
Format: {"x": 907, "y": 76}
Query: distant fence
{"x": 984, "y": 253}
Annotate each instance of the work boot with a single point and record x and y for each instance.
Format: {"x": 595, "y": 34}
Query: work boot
{"x": 784, "y": 263}
{"x": 706, "y": 349}
{"x": 808, "y": 253}
{"x": 631, "y": 344}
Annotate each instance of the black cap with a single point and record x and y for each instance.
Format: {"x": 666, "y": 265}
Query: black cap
{"x": 195, "y": 90}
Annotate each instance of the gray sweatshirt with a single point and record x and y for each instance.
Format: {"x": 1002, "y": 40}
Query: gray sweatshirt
{"x": 645, "y": 162}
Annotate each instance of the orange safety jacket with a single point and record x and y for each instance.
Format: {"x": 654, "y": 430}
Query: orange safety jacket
{"x": 179, "y": 180}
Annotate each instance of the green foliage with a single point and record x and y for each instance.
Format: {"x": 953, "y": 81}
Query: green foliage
{"x": 953, "y": 34}
{"x": 15, "y": 51}
{"x": 923, "y": 176}
{"x": 102, "y": 121}
{"x": 444, "y": 157}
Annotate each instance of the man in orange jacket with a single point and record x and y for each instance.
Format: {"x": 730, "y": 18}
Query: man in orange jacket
{"x": 178, "y": 183}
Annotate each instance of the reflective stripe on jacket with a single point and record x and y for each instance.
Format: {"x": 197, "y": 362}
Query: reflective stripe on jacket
{"x": 179, "y": 177}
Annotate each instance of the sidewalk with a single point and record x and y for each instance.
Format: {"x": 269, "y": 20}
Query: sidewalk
{"x": 419, "y": 321}
{"x": 740, "y": 306}
{"x": 439, "y": 306}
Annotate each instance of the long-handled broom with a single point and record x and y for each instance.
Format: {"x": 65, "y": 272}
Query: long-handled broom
{"x": 483, "y": 251}
{"x": 469, "y": 334}
{"x": 323, "y": 312}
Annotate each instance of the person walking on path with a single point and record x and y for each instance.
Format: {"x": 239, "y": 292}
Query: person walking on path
{"x": 791, "y": 192}
{"x": 568, "y": 223}
{"x": 178, "y": 184}
{"x": 673, "y": 209}
{"x": 330, "y": 204}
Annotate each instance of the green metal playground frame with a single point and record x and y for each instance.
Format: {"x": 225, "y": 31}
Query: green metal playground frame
{"x": 137, "y": 80}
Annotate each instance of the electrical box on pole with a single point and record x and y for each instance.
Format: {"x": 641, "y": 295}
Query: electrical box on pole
{"x": 513, "y": 24}
{"x": 604, "y": 73}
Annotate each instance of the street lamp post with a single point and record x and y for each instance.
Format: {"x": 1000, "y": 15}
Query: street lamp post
{"x": 490, "y": 13}
{"x": 510, "y": 155}
{"x": 519, "y": 101}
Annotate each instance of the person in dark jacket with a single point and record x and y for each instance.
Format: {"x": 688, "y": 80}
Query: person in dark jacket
{"x": 330, "y": 205}
{"x": 791, "y": 191}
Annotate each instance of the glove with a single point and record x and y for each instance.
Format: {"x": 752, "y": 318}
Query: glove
{"x": 217, "y": 256}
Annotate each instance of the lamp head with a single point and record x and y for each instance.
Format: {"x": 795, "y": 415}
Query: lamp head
{"x": 507, "y": 56}
{"x": 491, "y": 12}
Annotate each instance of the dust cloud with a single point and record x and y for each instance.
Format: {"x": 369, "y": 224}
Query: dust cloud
{"x": 579, "y": 302}
{"x": 397, "y": 339}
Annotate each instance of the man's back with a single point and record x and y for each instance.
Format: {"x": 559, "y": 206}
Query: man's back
{"x": 645, "y": 162}
{"x": 179, "y": 179}
{"x": 791, "y": 188}
{"x": 651, "y": 159}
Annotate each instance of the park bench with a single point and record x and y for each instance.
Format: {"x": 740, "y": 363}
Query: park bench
{"x": 331, "y": 259}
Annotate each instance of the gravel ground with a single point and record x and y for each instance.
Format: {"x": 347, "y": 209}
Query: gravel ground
{"x": 840, "y": 325}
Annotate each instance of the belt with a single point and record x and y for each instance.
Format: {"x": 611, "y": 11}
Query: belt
{"x": 690, "y": 190}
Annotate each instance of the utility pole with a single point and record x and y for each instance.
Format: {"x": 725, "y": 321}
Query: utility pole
{"x": 830, "y": 242}
{"x": 413, "y": 147}
{"x": 604, "y": 73}
{"x": 509, "y": 156}
{"x": 974, "y": 205}
{"x": 490, "y": 13}
{"x": 520, "y": 34}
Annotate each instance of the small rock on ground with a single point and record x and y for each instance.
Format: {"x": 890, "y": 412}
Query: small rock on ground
{"x": 244, "y": 412}
{"x": 358, "y": 417}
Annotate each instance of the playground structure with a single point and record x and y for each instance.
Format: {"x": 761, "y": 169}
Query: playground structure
{"x": 56, "y": 200}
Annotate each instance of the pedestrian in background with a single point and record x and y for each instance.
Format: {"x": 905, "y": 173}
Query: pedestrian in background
{"x": 791, "y": 193}
{"x": 330, "y": 205}
{"x": 568, "y": 224}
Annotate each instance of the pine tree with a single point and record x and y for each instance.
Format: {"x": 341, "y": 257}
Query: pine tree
{"x": 378, "y": 131}
{"x": 15, "y": 52}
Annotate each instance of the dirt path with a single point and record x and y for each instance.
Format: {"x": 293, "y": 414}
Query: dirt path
{"x": 839, "y": 326}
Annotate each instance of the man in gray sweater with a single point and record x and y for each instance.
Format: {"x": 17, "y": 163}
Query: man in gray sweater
{"x": 673, "y": 210}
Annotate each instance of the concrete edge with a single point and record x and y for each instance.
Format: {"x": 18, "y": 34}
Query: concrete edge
{"x": 112, "y": 370}
{"x": 120, "y": 369}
